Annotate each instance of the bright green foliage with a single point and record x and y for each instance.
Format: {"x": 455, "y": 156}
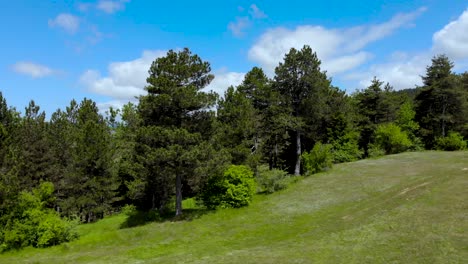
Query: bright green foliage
{"x": 344, "y": 139}
{"x": 270, "y": 181}
{"x": 454, "y": 141}
{"x": 235, "y": 188}
{"x": 391, "y": 139}
{"x": 346, "y": 148}
{"x": 319, "y": 159}
{"x": 32, "y": 223}
{"x": 405, "y": 120}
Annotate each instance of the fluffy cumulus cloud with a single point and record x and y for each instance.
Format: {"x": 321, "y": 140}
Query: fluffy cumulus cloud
{"x": 223, "y": 79}
{"x": 32, "y": 69}
{"x": 453, "y": 38}
{"x": 67, "y": 22}
{"x": 125, "y": 80}
{"x": 339, "y": 49}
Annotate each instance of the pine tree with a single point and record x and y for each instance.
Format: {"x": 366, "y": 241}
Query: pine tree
{"x": 302, "y": 86}
{"x": 439, "y": 105}
{"x": 173, "y": 114}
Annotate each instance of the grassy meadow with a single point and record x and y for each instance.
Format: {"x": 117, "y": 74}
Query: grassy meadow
{"x": 406, "y": 208}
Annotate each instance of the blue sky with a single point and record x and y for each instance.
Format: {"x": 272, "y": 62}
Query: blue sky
{"x": 54, "y": 51}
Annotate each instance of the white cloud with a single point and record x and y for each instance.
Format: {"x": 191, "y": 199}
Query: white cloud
{"x": 67, "y": 22}
{"x": 111, "y": 7}
{"x": 115, "y": 104}
{"x": 84, "y": 7}
{"x": 339, "y": 49}
{"x": 237, "y": 28}
{"x": 402, "y": 71}
{"x": 223, "y": 80}
{"x": 33, "y": 70}
{"x": 346, "y": 62}
{"x": 405, "y": 70}
{"x": 256, "y": 13}
{"x": 125, "y": 80}
{"x": 453, "y": 38}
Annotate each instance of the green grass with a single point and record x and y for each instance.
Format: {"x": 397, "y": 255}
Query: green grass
{"x": 407, "y": 208}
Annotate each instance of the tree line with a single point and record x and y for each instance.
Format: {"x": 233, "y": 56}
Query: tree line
{"x": 181, "y": 141}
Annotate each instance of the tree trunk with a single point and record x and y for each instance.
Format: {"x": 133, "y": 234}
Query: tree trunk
{"x": 275, "y": 157}
{"x": 297, "y": 170}
{"x": 178, "y": 195}
{"x": 444, "y": 106}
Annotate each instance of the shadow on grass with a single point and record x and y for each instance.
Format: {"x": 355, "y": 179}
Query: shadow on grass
{"x": 139, "y": 218}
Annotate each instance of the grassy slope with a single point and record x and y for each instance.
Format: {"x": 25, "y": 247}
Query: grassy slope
{"x": 407, "y": 208}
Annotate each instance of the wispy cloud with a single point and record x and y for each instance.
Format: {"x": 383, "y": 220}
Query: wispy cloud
{"x": 239, "y": 26}
{"x": 111, "y": 7}
{"x": 67, "y": 22}
{"x": 340, "y": 49}
{"x": 32, "y": 69}
{"x": 403, "y": 70}
{"x": 256, "y": 13}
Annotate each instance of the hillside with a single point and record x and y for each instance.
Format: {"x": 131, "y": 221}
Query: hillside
{"x": 406, "y": 208}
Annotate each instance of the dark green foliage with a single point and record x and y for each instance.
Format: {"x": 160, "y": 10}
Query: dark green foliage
{"x": 234, "y": 188}
{"x": 377, "y": 104}
{"x": 175, "y": 120}
{"x": 32, "y": 223}
{"x": 303, "y": 87}
{"x": 270, "y": 181}
{"x": 237, "y": 125}
{"x": 454, "y": 141}
{"x": 391, "y": 139}
{"x": 441, "y": 104}
{"x": 89, "y": 184}
{"x": 319, "y": 159}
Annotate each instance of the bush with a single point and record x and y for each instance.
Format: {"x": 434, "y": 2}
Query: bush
{"x": 270, "y": 181}
{"x": 375, "y": 151}
{"x": 235, "y": 188}
{"x": 391, "y": 139}
{"x": 346, "y": 148}
{"x": 319, "y": 159}
{"x": 454, "y": 141}
{"x": 31, "y": 223}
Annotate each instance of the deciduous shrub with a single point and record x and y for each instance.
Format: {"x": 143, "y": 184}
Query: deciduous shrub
{"x": 235, "y": 188}
{"x": 31, "y": 223}
{"x": 391, "y": 139}
{"x": 270, "y": 181}
{"x": 346, "y": 148}
{"x": 319, "y": 159}
{"x": 454, "y": 141}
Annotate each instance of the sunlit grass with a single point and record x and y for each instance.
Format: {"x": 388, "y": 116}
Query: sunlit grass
{"x": 407, "y": 208}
